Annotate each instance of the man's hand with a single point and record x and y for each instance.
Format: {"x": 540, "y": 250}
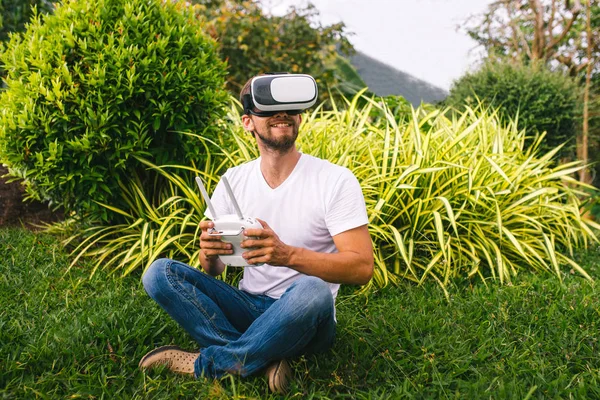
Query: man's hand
{"x": 268, "y": 248}
{"x": 210, "y": 249}
{"x": 212, "y": 246}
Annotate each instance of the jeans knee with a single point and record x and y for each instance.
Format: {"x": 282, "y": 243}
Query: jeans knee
{"x": 155, "y": 276}
{"x": 315, "y": 294}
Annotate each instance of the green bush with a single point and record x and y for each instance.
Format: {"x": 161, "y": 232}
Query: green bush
{"x": 541, "y": 100}
{"x": 446, "y": 198}
{"x": 392, "y": 105}
{"x": 99, "y": 83}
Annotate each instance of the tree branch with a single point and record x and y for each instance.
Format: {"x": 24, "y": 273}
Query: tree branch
{"x": 575, "y": 10}
{"x": 551, "y": 20}
{"x": 539, "y": 37}
{"x": 516, "y": 30}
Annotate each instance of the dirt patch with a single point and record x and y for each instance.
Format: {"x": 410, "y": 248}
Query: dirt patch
{"x": 13, "y": 211}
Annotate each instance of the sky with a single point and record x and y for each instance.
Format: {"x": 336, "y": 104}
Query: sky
{"x": 419, "y": 37}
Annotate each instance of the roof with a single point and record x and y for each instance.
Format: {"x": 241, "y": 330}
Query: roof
{"x": 384, "y": 80}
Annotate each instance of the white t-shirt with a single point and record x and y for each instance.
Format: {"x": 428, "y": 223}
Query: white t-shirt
{"x": 316, "y": 202}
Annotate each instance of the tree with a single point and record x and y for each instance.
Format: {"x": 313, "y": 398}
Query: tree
{"x": 556, "y": 32}
{"x": 253, "y": 42}
{"x": 591, "y": 60}
{"x": 530, "y": 30}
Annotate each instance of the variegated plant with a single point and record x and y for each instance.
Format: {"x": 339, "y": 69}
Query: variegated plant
{"x": 448, "y": 195}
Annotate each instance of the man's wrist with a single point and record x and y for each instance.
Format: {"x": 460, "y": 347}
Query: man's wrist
{"x": 212, "y": 258}
{"x": 293, "y": 255}
{"x": 206, "y": 257}
{"x": 208, "y": 260}
{"x": 212, "y": 264}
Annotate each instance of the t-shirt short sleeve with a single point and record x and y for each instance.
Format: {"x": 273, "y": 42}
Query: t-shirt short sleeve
{"x": 346, "y": 209}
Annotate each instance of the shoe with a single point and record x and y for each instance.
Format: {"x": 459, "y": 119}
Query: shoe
{"x": 173, "y": 357}
{"x": 279, "y": 374}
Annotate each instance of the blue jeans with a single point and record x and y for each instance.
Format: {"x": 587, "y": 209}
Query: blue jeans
{"x": 239, "y": 332}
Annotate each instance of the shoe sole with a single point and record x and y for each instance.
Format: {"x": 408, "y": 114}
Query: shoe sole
{"x": 283, "y": 368}
{"x": 156, "y": 351}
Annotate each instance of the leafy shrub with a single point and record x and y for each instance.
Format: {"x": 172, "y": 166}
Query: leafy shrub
{"x": 446, "y": 198}
{"x": 543, "y": 100}
{"x": 99, "y": 83}
{"x": 392, "y": 105}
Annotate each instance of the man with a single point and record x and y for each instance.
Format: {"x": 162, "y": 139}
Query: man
{"x": 314, "y": 237}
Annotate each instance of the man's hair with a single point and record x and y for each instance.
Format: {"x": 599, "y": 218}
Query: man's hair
{"x": 246, "y": 89}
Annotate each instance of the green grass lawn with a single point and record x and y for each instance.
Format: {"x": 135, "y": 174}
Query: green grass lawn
{"x": 68, "y": 336}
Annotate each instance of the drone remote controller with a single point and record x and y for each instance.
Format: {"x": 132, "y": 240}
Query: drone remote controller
{"x": 230, "y": 227}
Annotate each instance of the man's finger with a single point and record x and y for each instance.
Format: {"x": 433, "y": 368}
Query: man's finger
{"x": 217, "y": 252}
{"x": 264, "y": 259}
{"x": 263, "y": 223}
{"x": 215, "y": 245}
{"x": 206, "y": 224}
{"x": 253, "y": 232}
{"x": 248, "y": 255}
{"x": 248, "y": 243}
{"x": 209, "y": 238}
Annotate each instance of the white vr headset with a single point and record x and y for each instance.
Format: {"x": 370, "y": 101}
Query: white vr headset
{"x": 273, "y": 93}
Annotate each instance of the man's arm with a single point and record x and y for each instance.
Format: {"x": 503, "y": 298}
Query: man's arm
{"x": 352, "y": 264}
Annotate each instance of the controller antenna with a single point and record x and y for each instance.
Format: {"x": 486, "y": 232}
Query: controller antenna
{"x": 232, "y": 197}
{"x": 206, "y": 197}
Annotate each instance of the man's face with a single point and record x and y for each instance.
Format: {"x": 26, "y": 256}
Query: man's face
{"x": 278, "y": 132}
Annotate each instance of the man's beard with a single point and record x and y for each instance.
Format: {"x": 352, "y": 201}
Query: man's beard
{"x": 279, "y": 144}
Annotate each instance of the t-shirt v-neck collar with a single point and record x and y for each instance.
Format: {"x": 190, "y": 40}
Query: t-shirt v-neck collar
{"x": 264, "y": 182}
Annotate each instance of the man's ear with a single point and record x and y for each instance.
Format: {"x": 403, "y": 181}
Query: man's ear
{"x": 247, "y": 122}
